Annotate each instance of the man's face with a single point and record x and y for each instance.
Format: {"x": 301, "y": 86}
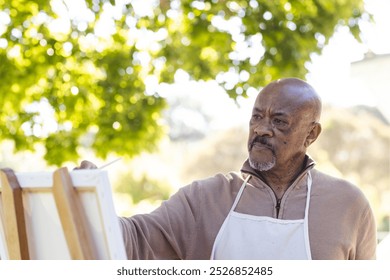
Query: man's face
{"x": 280, "y": 123}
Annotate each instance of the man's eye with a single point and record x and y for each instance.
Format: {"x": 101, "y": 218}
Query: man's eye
{"x": 279, "y": 122}
{"x": 257, "y": 117}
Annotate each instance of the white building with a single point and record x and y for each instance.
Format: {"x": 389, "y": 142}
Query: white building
{"x": 371, "y": 76}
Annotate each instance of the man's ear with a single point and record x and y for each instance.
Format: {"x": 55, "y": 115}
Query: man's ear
{"x": 313, "y": 134}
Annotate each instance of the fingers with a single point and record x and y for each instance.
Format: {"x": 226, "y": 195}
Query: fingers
{"x": 85, "y": 164}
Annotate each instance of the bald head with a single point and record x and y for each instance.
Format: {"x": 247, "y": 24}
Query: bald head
{"x": 295, "y": 92}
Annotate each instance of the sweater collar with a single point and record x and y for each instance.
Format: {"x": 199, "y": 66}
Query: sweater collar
{"x": 247, "y": 169}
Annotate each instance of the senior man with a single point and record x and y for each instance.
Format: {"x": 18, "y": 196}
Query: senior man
{"x": 277, "y": 207}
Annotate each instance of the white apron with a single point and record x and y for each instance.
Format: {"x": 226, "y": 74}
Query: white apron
{"x": 248, "y": 237}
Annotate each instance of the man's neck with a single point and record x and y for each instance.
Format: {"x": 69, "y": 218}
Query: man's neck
{"x": 281, "y": 179}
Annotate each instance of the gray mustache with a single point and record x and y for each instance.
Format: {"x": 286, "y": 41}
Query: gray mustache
{"x": 263, "y": 141}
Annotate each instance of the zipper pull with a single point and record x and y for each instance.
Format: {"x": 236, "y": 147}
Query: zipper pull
{"x": 278, "y": 207}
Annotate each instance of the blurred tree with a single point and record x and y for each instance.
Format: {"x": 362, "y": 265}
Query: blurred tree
{"x": 80, "y": 73}
{"x": 221, "y": 152}
{"x": 143, "y": 188}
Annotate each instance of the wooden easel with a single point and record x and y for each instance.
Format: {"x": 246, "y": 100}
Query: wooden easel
{"x": 70, "y": 210}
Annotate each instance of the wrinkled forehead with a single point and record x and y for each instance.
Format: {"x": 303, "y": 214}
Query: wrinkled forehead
{"x": 288, "y": 97}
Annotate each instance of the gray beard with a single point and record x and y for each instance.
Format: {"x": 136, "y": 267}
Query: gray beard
{"x": 262, "y": 166}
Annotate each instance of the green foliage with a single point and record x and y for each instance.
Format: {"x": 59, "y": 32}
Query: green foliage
{"x": 98, "y": 86}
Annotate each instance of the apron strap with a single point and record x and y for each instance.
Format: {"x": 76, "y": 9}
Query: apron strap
{"x": 306, "y": 219}
{"x": 309, "y": 182}
{"x": 239, "y": 194}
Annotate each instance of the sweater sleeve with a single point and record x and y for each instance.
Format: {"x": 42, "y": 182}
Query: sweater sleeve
{"x": 366, "y": 238}
{"x": 166, "y": 233}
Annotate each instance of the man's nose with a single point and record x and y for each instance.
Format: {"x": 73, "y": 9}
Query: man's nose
{"x": 263, "y": 129}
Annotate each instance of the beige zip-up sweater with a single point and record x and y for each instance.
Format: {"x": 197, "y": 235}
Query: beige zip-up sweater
{"x": 341, "y": 222}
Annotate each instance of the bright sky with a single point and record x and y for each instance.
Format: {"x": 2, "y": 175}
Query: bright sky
{"x": 330, "y": 72}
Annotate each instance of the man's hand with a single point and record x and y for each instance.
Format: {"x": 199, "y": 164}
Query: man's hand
{"x": 85, "y": 164}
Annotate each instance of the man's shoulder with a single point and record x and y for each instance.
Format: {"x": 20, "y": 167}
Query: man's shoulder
{"x": 216, "y": 183}
{"x": 219, "y": 179}
{"x": 335, "y": 185}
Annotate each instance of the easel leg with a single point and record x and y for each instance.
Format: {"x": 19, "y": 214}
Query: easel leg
{"x": 71, "y": 215}
{"x": 15, "y": 226}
